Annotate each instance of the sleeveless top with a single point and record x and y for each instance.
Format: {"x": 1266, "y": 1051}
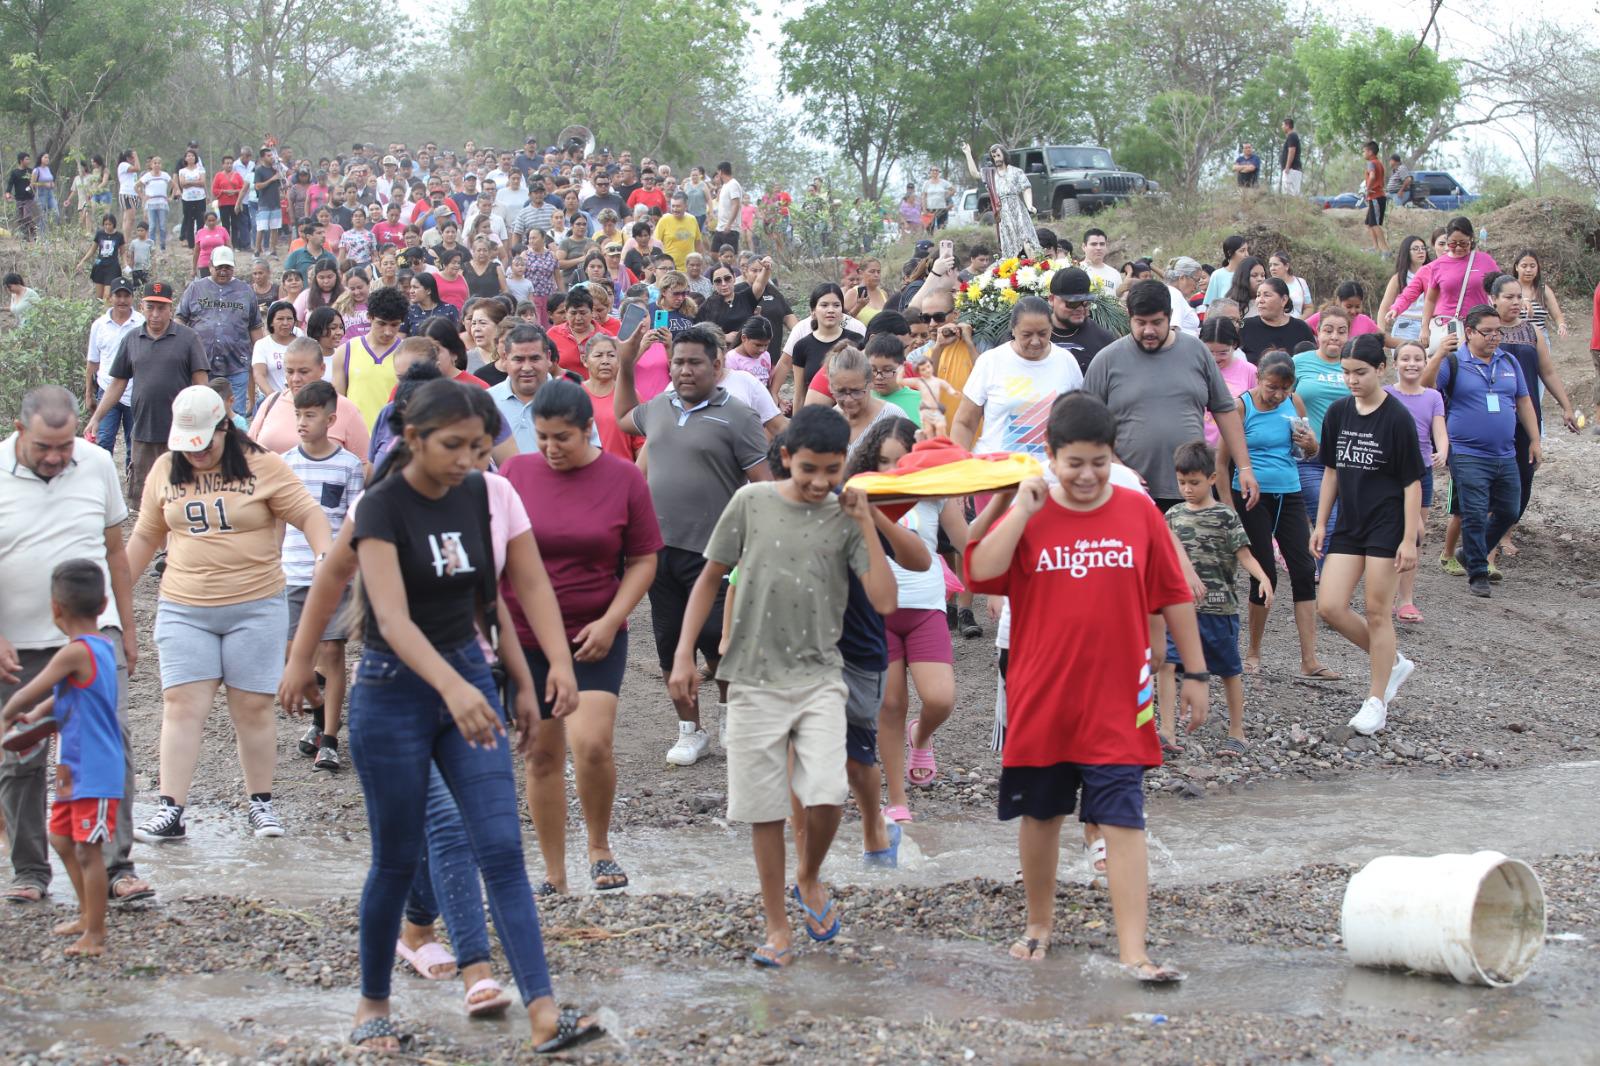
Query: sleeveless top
{"x": 369, "y": 377}
{"x": 1271, "y": 445}
{"x": 89, "y": 763}
{"x": 480, "y": 284}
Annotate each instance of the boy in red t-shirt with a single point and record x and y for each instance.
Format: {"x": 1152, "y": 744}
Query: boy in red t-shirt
{"x": 1085, "y": 564}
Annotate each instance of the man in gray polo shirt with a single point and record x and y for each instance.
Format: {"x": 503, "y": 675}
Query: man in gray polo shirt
{"x": 59, "y": 500}
{"x": 1160, "y": 382}
{"x": 703, "y": 444}
{"x": 167, "y": 357}
{"x": 222, "y": 309}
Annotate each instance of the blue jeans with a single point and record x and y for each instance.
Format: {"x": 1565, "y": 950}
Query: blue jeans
{"x": 1490, "y": 494}
{"x": 399, "y": 730}
{"x": 105, "y": 434}
{"x": 45, "y": 209}
{"x": 243, "y": 390}
{"x": 448, "y": 874}
{"x": 1311, "y": 472}
{"x": 156, "y": 215}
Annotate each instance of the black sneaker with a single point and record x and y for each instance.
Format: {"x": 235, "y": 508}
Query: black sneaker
{"x": 264, "y": 820}
{"x": 328, "y": 759}
{"x": 969, "y": 624}
{"x": 1479, "y": 586}
{"x": 311, "y": 741}
{"x": 167, "y": 824}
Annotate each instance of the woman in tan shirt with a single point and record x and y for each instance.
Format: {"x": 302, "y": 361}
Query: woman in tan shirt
{"x": 214, "y": 502}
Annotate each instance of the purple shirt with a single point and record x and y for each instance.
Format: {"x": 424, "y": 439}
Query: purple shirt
{"x": 1423, "y": 407}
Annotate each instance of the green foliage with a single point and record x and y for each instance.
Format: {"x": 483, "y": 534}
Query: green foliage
{"x": 649, "y": 75}
{"x": 48, "y": 350}
{"x": 69, "y": 59}
{"x": 1368, "y": 86}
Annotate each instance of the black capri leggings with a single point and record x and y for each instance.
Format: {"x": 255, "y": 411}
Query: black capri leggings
{"x": 194, "y": 216}
{"x": 1281, "y": 516}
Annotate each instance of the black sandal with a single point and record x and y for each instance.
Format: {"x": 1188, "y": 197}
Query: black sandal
{"x": 375, "y": 1029}
{"x": 570, "y": 1032}
{"x": 546, "y": 889}
{"x": 607, "y": 868}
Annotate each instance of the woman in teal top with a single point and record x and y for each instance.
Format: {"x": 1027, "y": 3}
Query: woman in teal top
{"x": 1270, "y": 411}
{"x": 1319, "y": 381}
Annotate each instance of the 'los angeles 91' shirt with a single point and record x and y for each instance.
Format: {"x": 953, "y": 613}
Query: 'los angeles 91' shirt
{"x": 1083, "y": 584}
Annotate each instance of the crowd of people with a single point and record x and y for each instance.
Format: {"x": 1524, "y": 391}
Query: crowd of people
{"x": 519, "y": 393}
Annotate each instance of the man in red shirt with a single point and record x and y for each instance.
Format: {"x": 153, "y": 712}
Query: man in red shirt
{"x": 649, "y": 194}
{"x": 1085, "y": 564}
{"x": 227, "y": 187}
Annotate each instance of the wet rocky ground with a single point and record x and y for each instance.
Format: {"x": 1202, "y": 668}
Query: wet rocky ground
{"x": 1503, "y": 689}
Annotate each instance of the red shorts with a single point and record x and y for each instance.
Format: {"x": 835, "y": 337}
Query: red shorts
{"x": 918, "y": 636}
{"x": 86, "y": 821}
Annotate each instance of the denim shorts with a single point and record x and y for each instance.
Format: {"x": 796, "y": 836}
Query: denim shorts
{"x": 240, "y": 644}
{"x": 1112, "y": 795}
{"x": 269, "y": 220}
{"x": 863, "y": 697}
{"x": 1219, "y": 637}
{"x": 1427, "y": 489}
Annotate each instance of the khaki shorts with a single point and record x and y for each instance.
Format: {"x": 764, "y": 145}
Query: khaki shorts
{"x": 762, "y": 723}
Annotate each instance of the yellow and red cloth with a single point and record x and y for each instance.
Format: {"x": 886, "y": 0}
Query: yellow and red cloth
{"x": 938, "y": 469}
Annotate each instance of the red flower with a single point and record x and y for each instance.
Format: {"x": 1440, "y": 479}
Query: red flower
{"x": 1014, "y": 281}
{"x": 963, "y": 287}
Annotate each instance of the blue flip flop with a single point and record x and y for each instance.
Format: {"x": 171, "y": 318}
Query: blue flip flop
{"x": 769, "y": 962}
{"x": 833, "y": 930}
{"x": 889, "y": 857}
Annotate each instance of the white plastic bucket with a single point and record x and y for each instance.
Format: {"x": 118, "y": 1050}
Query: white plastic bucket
{"x": 1478, "y": 918}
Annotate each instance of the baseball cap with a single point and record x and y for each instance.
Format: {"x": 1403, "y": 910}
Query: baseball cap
{"x": 530, "y": 139}
{"x": 196, "y": 413}
{"x": 612, "y": 247}
{"x": 923, "y": 248}
{"x": 390, "y": 161}
{"x": 1070, "y": 282}
{"x": 222, "y": 256}
{"x": 122, "y": 285}
{"x": 157, "y": 291}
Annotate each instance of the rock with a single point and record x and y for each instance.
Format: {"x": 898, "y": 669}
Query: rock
{"x": 1360, "y": 743}
{"x": 1299, "y": 738}
{"x": 1339, "y": 734}
{"x": 1402, "y": 749}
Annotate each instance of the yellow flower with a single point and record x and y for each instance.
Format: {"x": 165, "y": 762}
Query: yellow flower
{"x": 1010, "y": 296}
{"x": 1007, "y": 268}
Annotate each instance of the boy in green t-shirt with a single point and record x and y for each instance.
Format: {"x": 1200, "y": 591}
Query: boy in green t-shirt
{"x": 1215, "y": 541}
{"x": 794, "y": 542}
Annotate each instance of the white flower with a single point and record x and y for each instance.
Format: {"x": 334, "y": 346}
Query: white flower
{"x": 1027, "y": 276}
{"x": 1044, "y": 279}
{"x": 980, "y": 283}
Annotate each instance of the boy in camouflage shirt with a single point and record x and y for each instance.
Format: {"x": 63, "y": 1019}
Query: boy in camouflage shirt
{"x": 1215, "y": 541}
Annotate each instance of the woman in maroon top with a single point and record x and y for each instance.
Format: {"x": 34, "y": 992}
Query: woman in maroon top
{"x": 592, "y": 517}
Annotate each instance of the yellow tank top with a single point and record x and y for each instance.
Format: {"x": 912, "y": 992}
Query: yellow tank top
{"x": 369, "y": 377}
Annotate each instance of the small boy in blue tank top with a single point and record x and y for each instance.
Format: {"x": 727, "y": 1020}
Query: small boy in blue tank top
{"x": 79, "y": 687}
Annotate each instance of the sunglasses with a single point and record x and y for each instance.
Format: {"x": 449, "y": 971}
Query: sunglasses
{"x": 720, "y": 278}
{"x": 938, "y": 316}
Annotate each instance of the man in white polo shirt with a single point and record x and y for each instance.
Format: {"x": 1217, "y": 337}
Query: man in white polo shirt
{"x": 59, "y": 499}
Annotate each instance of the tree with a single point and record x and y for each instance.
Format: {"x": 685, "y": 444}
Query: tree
{"x": 1196, "y": 74}
{"x": 1376, "y": 86}
{"x": 860, "y": 71}
{"x": 648, "y": 74}
{"x": 279, "y": 60}
{"x": 70, "y": 59}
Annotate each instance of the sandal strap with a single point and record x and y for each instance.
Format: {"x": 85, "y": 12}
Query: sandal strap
{"x": 374, "y": 1029}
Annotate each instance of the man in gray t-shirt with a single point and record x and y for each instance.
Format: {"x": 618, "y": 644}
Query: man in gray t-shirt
{"x": 703, "y": 445}
{"x": 1159, "y": 383}
{"x": 223, "y": 310}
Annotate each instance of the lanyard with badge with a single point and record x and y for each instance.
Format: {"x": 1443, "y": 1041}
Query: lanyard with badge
{"x": 1491, "y": 398}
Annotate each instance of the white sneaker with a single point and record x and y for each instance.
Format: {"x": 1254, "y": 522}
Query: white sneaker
{"x": 722, "y": 726}
{"x": 1399, "y": 675}
{"x": 692, "y": 745}
{"x": 1371, "y": 718}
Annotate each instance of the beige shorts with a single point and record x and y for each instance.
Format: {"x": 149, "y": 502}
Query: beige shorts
{"x": 762, "y": 724}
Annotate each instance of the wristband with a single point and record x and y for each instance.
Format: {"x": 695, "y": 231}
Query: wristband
{"x": 1197, "y": 675}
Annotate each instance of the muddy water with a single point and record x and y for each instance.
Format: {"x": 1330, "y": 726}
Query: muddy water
{"x": 1525, "y": 814}
{"x": 930, "y": 980}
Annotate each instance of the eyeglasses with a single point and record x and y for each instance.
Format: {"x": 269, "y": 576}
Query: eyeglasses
{"x": 849, "y": 394}
{"x": 885, "y": 371}
{"x": 938, "y": 316}
{"x": 1489, "y": 334}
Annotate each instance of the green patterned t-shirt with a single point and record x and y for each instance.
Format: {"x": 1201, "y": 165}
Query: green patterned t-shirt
{"x": 1212, "y": 537}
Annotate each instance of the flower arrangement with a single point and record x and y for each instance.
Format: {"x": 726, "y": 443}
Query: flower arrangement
{"x": 986, "y": 301}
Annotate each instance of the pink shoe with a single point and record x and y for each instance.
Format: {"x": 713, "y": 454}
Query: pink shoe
{"x": 897, "y": 814}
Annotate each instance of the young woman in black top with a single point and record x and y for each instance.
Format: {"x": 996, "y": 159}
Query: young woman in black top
{"x": 424, "y": 696}
{"x": 1369, "y": 443}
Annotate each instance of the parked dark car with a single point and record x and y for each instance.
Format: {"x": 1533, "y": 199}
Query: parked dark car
{"x": 1434, "y": 189}
{"x": 1072, "y": 179}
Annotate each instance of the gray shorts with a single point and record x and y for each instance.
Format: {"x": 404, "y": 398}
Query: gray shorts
{"x": 865, "y": 695}
{"x": 241, "y": 644}
{"x": 338, "y": 628}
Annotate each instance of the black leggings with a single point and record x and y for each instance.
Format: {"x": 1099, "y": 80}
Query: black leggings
{"x": 1281, "y": 516}
{"x": 194, "y": 216}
